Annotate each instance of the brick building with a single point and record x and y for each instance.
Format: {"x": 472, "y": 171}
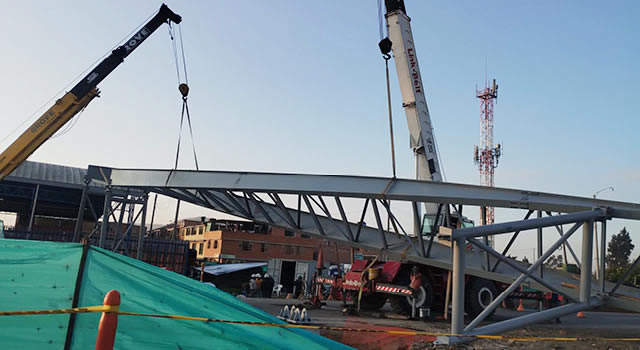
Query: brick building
{"x": 289, "y": 254}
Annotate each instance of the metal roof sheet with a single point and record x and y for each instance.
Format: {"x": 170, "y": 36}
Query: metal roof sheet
{"x": 46, "y": 173}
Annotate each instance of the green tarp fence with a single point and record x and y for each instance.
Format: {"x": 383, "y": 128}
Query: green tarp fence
{"x": 36, "y": 275}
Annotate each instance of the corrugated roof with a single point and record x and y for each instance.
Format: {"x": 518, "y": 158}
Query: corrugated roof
{"x": 49, "y": 173}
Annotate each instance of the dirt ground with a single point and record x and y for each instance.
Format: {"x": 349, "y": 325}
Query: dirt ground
{"x": 594, "y": 325}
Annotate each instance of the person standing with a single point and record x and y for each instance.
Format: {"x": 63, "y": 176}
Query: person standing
{"x": 267, "y": 286}
{"x": 258, "y": 285}
{"x": 252, "y": 286}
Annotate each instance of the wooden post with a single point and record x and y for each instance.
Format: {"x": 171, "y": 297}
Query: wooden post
{"x": 108, "y": 323}
{"x": 447, "y": 297}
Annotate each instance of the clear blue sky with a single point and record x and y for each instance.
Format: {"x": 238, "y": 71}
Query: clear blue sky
{"x": 293, "y": 86}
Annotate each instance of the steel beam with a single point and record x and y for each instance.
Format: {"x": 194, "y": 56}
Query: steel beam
{"x": 457, "y": 311}
{"x": 257, "y": 201}
{"x": 323, "y": 206}
{"x": 116, "y": 235}
{"x": 361, "y": 187}
{"x": 626, "y": 275}
{"x": 174, "y": 234}
{"x": 485, "y": 238}
{"x": 218, "y": 204}
{"x": 396, "y": 224}
{"x": 497, "y": 301}
{"x": 385, "y": 245}
{"x": 511, "y": 241}
{"x": 516, "y": 267}
{"x": 603, "y": 254}
{"x": 587, "y": 254}
{"x": 539, "y": 231}
{"x": 361, "y": 222}
{"x": 142, "y": 228}
{"x": 342, "y": 215}
{"x": 522, "y": 321}
{"x": 528, "y": 224}
{"x": 434, "y": 227}
{"x": 313, "y": 215}
{"x": 285, "y": 214}
{"x": 127, "y": 232}
{"x": 105, "y": 217}
{"x": 236, "y": 204}
{"x": 34, "y": 203}
{"x": 417, "y": 226}
{"x": 568, "y": 245}
{"x": 367, "y": 237}
{"x": 80, "y": 216}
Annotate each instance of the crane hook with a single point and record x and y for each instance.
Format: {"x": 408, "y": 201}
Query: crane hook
{"x": 385, "y": 47}
{"x": 184, "y": 90}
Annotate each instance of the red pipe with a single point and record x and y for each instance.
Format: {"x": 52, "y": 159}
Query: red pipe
{"x": 108, "y": 323}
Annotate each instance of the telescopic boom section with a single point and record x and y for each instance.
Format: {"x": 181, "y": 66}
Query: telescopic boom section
{"x": 78, "y": 98}
{"x": 413, "y": 97}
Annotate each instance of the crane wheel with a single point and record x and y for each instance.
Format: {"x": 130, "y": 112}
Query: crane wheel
{"x": 479, "y": 295}
{"x": 372, "y": 302}
{"x": 402, "y": 304}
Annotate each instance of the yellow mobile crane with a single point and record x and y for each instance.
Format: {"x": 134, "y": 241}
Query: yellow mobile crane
{"x": 78, "y": 97}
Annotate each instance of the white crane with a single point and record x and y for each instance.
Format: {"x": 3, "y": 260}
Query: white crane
{"x": 414, "y": 101}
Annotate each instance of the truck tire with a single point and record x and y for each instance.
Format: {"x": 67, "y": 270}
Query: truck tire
{"x": 402, "y": 304}
{"x": 372, "y": 302}
{"x": 479, "y": 295}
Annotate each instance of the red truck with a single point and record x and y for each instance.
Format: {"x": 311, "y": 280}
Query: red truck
{"x": 400, "y": 282}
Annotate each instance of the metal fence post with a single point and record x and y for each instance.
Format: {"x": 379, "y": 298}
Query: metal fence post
{"x": 585, "y": 271}
{"x": 457, "y": 312}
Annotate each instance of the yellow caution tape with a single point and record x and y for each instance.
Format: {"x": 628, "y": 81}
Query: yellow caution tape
{"x": 75, "y": 310}
{"x": 115, "y": 309}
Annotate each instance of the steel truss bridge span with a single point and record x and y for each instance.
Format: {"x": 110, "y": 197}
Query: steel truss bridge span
{"x": 315, "y": 205}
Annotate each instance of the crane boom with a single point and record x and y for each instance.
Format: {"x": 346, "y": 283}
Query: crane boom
{"x": 413, "y": 97}
{"x": 78, "y": 97}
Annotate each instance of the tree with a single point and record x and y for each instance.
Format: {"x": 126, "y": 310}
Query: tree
{"x": 619, "y": 249}
{"x": 618, "y": 252}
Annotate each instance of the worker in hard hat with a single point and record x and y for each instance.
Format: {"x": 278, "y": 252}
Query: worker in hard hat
{"x": 258, "y": 285}
{"x": 252, "y": 286}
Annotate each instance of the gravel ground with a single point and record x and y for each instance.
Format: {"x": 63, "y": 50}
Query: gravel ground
{"x": 596, "y": 324}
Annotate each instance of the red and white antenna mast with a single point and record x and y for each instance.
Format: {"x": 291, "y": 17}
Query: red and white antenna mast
{"x": 486, "y": 156}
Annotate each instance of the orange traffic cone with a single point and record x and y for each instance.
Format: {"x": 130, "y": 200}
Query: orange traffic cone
{"x": 520, "y": 307}
{"x": 580, "y": 315}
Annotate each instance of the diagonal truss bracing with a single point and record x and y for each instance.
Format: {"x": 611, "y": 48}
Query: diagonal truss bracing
{"x": 301, "y": 203}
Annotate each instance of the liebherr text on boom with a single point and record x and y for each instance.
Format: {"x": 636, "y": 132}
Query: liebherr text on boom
{"x": 78, "y": 98}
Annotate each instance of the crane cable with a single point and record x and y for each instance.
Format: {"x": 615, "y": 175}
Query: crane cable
{"x": 184, "y": 91}
{"x": 385, "y": 49}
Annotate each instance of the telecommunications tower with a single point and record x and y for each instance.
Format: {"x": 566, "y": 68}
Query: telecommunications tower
{"x": 486, "y": 156}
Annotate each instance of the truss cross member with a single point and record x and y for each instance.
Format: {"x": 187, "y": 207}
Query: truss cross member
{"x": 497, "y": 301}
{"x": 516, "y": 267}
